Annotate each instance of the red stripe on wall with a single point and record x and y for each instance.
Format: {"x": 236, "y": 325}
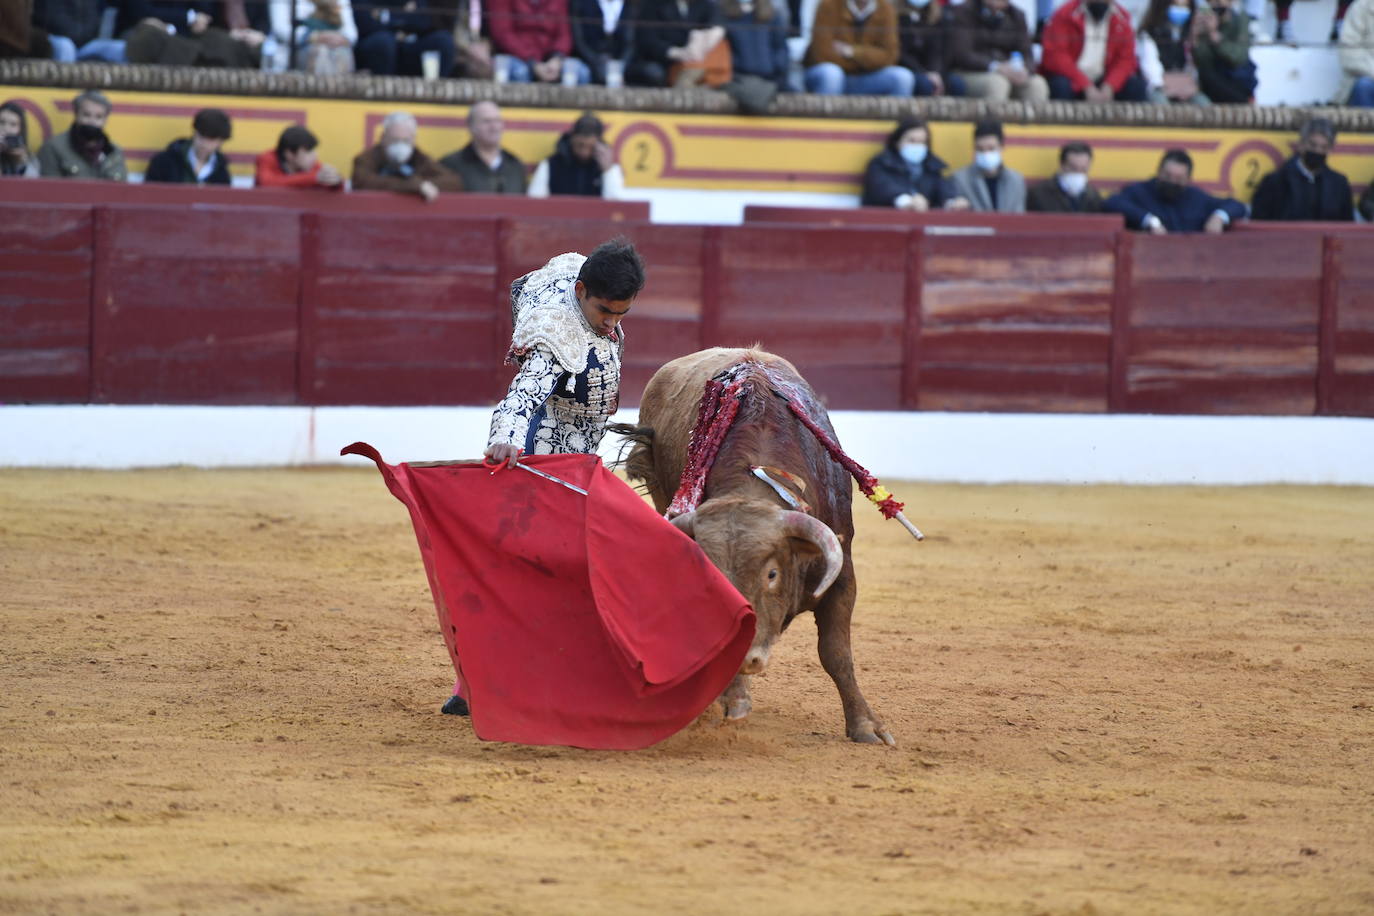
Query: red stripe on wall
{"x": 1204, "y": 146}
{"x": 186, "y": 111}
{"x": 763, "y": 133}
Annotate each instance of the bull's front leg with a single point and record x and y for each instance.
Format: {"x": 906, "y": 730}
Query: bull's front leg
{"x": 735, "y": 702}
{"x": 833, "y": 613}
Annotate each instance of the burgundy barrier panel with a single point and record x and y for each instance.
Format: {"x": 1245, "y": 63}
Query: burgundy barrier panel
{"x": 1229, "y": 326}
{"x": 195, "y": 306}
{"x": 664, "y": 323}
{"x": 967, "y": 220}
{"x": 466, "y": 206}
{"x": 397, "y": 310}
{"x": 1348, "y": 326}
{"x": 830, "y": 300}
{"x": 1023, "y": 324}
{"x": 45, "y": 303}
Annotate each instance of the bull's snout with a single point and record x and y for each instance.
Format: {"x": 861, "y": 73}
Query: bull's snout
{"x": 755, "y": 662}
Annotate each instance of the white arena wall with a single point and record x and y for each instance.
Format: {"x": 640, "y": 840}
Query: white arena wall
{"x": 933, "y": 446}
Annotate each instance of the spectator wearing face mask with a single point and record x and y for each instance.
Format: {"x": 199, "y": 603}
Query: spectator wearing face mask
{"x": 15, "y": 159}
{"x": 1165, "y": 54}
{"x": 196, "y": 159}
{"x": 1169, "y": 203}
{"x": 1068, "y": 190}
{"x": 1304, "y": 188}
{"x": 987, "y": 184}
{"x": 1221, "y": 51}
{"x": 990, "y": 50}
{"x": 84, "y": 151}
{"x": 394, "y": 163}
{"x": 1089, "y": 53}
{"x": 907, "y": 175}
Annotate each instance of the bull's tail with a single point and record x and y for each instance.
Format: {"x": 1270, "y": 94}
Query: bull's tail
{"x": 639, "y": 463}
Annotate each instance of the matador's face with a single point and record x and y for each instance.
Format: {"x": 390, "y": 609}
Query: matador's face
{"x": 602, "y": 314}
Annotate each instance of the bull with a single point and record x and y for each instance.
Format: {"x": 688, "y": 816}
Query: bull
{"x": 784, "y": 560}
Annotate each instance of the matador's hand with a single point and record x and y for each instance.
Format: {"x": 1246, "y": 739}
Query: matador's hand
{"x": 501, "y": 453}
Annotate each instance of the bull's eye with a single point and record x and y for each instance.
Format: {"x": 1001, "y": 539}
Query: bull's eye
{"x": 772, "y": 574}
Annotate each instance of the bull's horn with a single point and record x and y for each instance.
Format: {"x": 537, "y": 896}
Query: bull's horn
{"x": 810, "y": 528}
{"x": 686, "y": 523}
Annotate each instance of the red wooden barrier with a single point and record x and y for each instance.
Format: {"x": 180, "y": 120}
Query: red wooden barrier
{"x": 381, "y": 203}
{"x": 830, "y": 300}
{"x": 194, "y": 306}
{"x": 397, "y": 310}
{"x": 1023, "y": 324}
{"x": 1220, "y": 325}
{"x": 45, "y": 303}
{"x": 949, "y": 221}
{"x": 1347, "y": 339}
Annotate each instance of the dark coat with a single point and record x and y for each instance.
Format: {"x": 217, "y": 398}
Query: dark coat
{"x": 509, "y": 177}
{"x": 925, "y": 47}
{"x": 373, "y": 171}
{"x": 132, "y": 12}
{"x": 593, "y": 45}
{"x": 78, "y": 20}
{"x": 391, "y": 16}
{"x": 977, "y": 40}
{"x": 1287, "y": 194}
{"x": 569, "y": 175}
{"x": 1187, "y": 213}
{"x": 1367, "y": 203}
{"x": 1050, "y": 197}
{"x": 171, "y": 165}
{"x": 889, "y": 176}
{"x": 662, "y": 26}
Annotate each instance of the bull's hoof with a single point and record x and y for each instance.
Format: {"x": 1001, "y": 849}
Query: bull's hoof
{"x": 736, "y": 708}
{"x": 456, "y": 706}
{"x": 872, "y": 733}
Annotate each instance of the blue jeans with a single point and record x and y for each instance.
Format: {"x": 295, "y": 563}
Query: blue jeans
{"x": 1133, "y": 90}
{"x": 830, "y": 79}
{"x": 110, "y": 50}
{"x": 1362, "y": 96}
{"x": 382, "y": 54}
{"x": 520, "y": 71}
{"x": 954, "y": 85}
{"x": 63, "y": 49}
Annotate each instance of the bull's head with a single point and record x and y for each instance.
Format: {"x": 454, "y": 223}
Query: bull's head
{"x": 782, "y": 561}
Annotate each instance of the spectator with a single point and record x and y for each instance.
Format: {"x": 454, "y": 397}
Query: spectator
{"x": 582, "y": 164}
{"x": 393, "y": 35}
{"x": 990, "y": 49}
{"x": 535, "y": 39}
{"x": 483, "y": 165}
{"x": 295, "y": 164}
{"x": 325, "y": 35}
{"x": 15, "y": 158}
{"x": 183, "y": 33}
{"x": 394, "y": 163}
{"x": 1357, "y": 56}
{"x": 603, "y": 33}
{"x": 70, "y": 24}
{"x": 1221, "y": 51}
{"x": 924, "y": 38}
{"x": 1165, "y": 57}
{"x": 988, "y": 184}
{"x": 1304, "y": 188}
{"x": 1089, "y": 53}
{"x": 474, "y": 47}
{"x": 907, "y": 175}
{"x": 1068, "y": 190}
{"x": 757, "y": 32}
{"x": 1169, "y": 203}
{"x": 197, "y": 159}
{"x": 672, "y": 32}
{"x": 854, "y": 50}
{"x": 84, "y": 151}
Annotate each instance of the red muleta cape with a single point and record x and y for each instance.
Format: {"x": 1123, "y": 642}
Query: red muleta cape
{"x": 580, "y": 620}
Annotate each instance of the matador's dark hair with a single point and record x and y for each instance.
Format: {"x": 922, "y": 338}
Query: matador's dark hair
{"x": 614, "y": 271}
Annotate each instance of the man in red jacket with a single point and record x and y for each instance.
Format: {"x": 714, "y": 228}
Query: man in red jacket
{"x": 533, "y": 40}
{"x": 1089, "y": 53}
{"x": 294, "y": 164}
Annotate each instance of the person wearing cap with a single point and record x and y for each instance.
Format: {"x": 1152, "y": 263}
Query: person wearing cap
{"x": 196, "y": 159}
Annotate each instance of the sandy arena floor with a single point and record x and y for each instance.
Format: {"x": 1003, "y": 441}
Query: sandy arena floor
{"x": 221, "y": 692}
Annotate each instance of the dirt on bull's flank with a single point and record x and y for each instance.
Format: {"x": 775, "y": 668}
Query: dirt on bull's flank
{"x": 221, "y": 693}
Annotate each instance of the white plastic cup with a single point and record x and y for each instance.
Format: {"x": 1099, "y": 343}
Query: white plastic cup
{"x": 500, "y": 69}
{"x": 615, "y": 74}
{"x": 569, "y": 73}
{"x": 429, "y": 65}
